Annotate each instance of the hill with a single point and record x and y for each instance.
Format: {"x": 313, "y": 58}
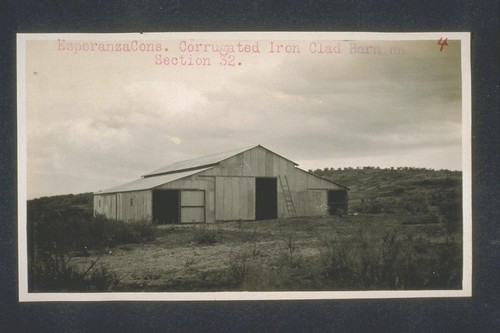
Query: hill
{"x": 437, "y": 194}
{"x": 422, "y": 195}
{"x": 402, "y": 232}
{"x": 60, "y": 204}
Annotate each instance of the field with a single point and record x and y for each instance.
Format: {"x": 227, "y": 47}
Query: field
{"x": 296, "y": 254}
{"x": 403, "y": 232}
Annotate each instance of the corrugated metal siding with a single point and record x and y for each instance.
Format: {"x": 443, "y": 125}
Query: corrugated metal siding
{"x": 234, "y": 198}
{"x": 197, "y": 163}
{"x": 235, "y": 185}
{"x": 194, "y": 183}
{"x": 105, "y": 204}
{"x": 151, "y": 182}
{"x": 192, "y": 206}
{"x": 134, "y": 206}
{"x": 192, "y": 214}
{"x": 128, "y": 206}
{"x": 229, "y": 188}
{"x": 313, "y": 203}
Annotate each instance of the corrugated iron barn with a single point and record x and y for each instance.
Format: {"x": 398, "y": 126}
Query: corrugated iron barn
{"x": 251, "y": 183}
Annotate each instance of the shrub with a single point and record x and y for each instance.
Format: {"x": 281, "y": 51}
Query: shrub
{"x": 238, "y": 269}
{"x": 447, "y": 270}
{"x": 336, "y": 270}
{"x": 55, "y": 237}
{"x": 290, "y": 254}
{"x": 451, "y": 210}
{"x": 102, "y": 279}
{"x": 110, "y": 233}
{"x": 145, "y": 230}
{"x": 53, "y": 272}
{"x": 75, "y": 232}
{"x": 204, "y": 235}
{"x": 390, "y": 263}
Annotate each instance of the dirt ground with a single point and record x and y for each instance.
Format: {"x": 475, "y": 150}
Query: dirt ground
{"x": 219, "y": 256}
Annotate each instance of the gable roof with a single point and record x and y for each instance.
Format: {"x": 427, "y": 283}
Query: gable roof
{"x": 150, "y": 182}
{"x": 187, "y": 168}
{"x": 323, "y": 178}
{"x": 202, "y": 162}
{"x": 196, "y": 163}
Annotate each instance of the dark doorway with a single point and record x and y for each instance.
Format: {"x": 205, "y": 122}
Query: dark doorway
{"x": 166, "y": 206}
{"x": 266, "y": 198}
{"x": 337, "y": 202}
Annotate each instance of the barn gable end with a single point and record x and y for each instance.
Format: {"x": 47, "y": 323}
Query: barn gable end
{"x": 245, "y": 184}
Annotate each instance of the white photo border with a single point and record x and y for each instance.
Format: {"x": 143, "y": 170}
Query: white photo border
{"x": 466, "y": 291}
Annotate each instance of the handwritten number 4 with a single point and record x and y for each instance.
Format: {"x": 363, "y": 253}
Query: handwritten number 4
{"x": 442, "y": 42}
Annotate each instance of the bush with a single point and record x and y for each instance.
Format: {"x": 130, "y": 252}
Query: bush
{"x": 102, "y": 279}
{"x": 451, "y": 210}
{"x": 336, "y": 270}
{"x": 448, "y": 265}
{"x": 204, "y": 235}
{"x": 238, "y": 269}
{"x": 290, "y": 254}
{"x": 55, "y": 237}
{"x": 78, "y": 232}
{"x": 53, "y": 272}
{"x": 390, "y": 263}
{"x": 112, "y": 233}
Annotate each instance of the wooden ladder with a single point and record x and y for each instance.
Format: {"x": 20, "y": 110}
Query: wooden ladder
{"x": 290, "y": 206}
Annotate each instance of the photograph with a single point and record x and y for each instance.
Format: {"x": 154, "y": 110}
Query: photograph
{"x": 244, "y": 166}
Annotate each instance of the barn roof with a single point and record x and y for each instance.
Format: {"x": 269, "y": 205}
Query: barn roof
{"x": 202, "y": 162}
{"x": 184, "y": 169}
{"x": 150, "y": 182}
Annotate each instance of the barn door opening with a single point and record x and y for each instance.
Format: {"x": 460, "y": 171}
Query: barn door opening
{"x": 337, "y": 202}
{"x": 166, "y": 206}
{"x": 266, "y": 198}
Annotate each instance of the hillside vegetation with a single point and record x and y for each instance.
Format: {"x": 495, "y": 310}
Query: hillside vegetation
{"x": 424, "y": 195}
{"x": 403, "y": 231}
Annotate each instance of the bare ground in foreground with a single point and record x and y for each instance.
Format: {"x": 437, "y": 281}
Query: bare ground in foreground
{"x": 361, "y": 252}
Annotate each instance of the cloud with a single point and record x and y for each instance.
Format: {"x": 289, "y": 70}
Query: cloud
{"x": 92, "y": 134}
{"x": 359, "y": 106}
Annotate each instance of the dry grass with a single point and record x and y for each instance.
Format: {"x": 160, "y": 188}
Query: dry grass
{"x": 281, "y": 255}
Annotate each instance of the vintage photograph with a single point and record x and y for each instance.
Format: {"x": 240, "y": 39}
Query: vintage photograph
{"x": 211, "y": 166}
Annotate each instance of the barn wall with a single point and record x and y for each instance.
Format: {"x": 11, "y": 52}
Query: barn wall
{"x": 229, "y": 191}
{"x": 235, "y": 185}
{"x": 234, "y": 198}
{"x": 134, "y": 206}
{"x": 312, "y": 203}
{"x": 105, "y": 204}
{"x": 193, "y": 206}
{"x": 197, "y": 183}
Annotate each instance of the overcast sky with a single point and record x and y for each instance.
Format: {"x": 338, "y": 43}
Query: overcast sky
{"x": 98, "y": 119}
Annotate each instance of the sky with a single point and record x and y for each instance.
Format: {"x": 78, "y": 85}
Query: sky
{"x": 99, "y": 119}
